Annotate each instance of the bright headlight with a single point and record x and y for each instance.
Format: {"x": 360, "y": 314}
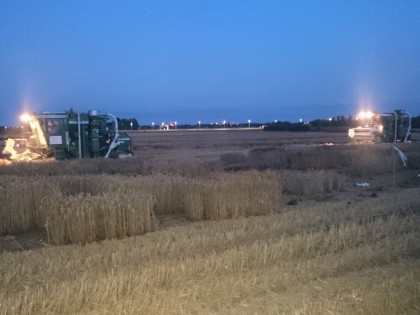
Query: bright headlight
{"x": 25, "y": 117}
{"x": 365, "y": 115}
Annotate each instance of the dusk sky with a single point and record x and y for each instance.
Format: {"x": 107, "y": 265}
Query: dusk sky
{"x": 187, "y": 61}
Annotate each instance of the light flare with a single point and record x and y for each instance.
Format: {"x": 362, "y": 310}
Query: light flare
{"x": 25, "y": 117}
{"x": 365, "y": 115}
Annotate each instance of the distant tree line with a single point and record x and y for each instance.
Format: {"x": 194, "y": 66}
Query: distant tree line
{"x": 339, "y": 121}
{"x": 287, "y": 126}
{"x": 334, "y": 123}
{"x": 415, "y": 122}
{"x": 128, "y": 124}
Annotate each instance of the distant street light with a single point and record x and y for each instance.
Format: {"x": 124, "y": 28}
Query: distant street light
{"x": 249, "y": 123}
{"x": 131, "y": 124}
{"x": 199, "y": 124}
{"x": 176, "y": 124}
{"x": 153, "y": 125}
{"x": 224, "y": 123}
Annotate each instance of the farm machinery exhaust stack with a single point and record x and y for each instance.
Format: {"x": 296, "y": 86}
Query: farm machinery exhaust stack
{"x": 388, "y": 127}
{"x": 70, "y": 135}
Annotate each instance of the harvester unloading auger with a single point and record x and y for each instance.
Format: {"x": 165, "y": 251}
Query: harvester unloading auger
{"x": 388, "y": 127}
{"x": 70, "y": 135}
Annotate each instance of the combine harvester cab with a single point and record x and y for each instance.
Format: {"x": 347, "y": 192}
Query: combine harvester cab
{"x": 71, "y": 135}
{"x": 388, "y": 127}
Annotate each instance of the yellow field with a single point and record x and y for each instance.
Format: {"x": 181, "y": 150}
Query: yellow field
{"x": 259, "y": 225}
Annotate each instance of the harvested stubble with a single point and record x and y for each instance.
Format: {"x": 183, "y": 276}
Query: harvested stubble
{"x": 330, "y": 258}
{"x": 85, "y": 218}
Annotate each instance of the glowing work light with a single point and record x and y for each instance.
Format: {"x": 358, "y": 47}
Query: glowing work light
{"x": 365, "y": 115}
{"x": 25, "y": 117}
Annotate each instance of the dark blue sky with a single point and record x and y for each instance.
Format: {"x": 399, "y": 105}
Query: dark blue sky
{"x": 209, "y": 60}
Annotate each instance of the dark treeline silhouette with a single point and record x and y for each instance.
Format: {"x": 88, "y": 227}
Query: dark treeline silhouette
{"x": 287, "y": 126}
{"x": 128, "y": 124}
{"x": 339, "y": 123}
{"x": 415, "y": 122}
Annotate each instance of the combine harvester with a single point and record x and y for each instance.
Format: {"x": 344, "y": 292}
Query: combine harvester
{"x": 389, "y": 127}
{"x": 69, "y": 135}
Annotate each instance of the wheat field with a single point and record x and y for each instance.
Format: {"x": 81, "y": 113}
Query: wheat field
{"x": 320, "y": 258}
{"x": 86, "y": 208}
{"x": 258, "y": 230}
